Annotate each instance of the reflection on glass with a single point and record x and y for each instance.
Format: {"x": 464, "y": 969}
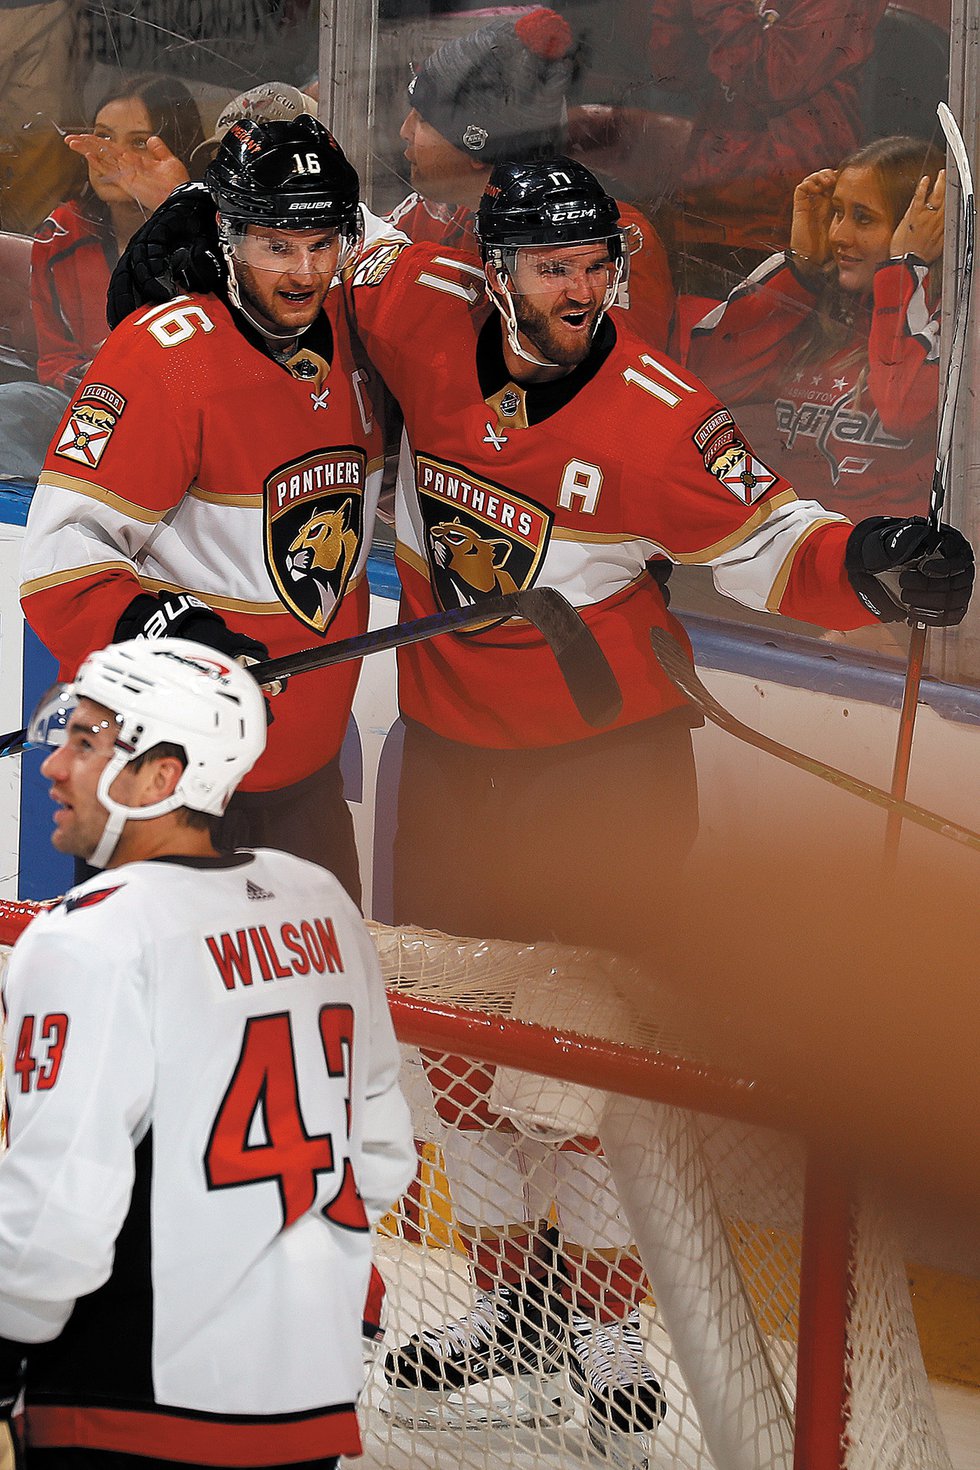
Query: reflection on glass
{"x": 703, "y": 131}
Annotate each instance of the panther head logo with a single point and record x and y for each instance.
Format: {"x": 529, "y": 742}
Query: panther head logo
{"x": 475, "y": 564}
{"x": 323, "y": 551}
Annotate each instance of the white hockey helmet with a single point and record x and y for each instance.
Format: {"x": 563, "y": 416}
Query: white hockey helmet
{"x": 164, "y": 689}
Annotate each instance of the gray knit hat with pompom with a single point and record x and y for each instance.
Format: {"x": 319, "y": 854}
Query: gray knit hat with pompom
{"x": 499, "y": 93}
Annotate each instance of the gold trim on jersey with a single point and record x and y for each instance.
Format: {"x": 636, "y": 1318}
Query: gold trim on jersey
{"x": 107, "y": 497}
{"x": 783, "y": 575}
{"x": 71, "y": 574}
{"x": 601, "y": 538}
{"x": 151, "y": 584}
{"x": 215, "y": 497}
{"x": 231, "y": 604}
{"x": 253, "y": 502}
{"x": 745, "y": 530}
{"x": 403, "y": 552}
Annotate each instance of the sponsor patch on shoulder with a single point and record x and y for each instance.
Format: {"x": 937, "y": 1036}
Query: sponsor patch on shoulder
{"x": 729, "y": 459}
{"x": 102, "y": 393}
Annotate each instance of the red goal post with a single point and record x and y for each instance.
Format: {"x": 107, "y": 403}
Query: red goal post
{"x": 778, "y": 1317}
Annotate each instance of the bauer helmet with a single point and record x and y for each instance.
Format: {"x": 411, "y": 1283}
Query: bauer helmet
{"x": 284, "y": 175}
{"x": 545, "y": 202}
{"x": 164, "y": 689}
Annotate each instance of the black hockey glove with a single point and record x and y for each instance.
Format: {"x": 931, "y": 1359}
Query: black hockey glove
{"x": 176, "y": 250}
{"x": 180, "y": 615}
{"x": 903, "y": 569}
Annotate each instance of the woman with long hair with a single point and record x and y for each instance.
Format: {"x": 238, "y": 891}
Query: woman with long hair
{"x": 837, "y": 338}
{"x": 77, "y": 246}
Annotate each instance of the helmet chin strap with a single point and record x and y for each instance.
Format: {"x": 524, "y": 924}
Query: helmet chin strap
{"x": 118, "y": 815}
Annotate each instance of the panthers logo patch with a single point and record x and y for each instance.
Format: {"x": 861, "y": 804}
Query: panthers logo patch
{"x": 481, "y": 539}
{"x": 314, "y": 527}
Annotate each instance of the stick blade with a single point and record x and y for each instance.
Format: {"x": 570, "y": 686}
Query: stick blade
{"x": 585, "y": 668}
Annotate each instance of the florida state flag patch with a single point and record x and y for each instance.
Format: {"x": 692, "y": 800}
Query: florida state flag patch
{"x": 730, "y": 460}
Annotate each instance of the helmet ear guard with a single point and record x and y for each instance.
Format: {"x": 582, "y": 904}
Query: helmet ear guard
{"x": 164, "y": 690}
{"x": 547, "y": 202}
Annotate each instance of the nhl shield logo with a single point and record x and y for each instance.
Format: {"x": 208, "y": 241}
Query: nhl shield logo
{"x": 314, "y": 526}
{"x": 481, "y": 539}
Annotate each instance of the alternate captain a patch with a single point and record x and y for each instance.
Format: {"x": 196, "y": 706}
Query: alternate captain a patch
{"x": 90, "y": 425}
{"x": 730, "y": 460}
{"x": 481, "y": 539}
{"x": 314, "y": 527}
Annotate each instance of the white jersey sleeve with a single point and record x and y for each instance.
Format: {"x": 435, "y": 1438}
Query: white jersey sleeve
{"x": 79, "y": 1066}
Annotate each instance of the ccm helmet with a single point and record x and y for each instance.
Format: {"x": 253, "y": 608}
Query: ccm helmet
{"x": 548, "y": 201}
{"x": 284, "y": 175}
{"x": 164, "y": 689}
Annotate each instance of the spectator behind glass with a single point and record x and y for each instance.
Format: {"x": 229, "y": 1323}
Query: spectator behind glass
{"x": 839, "y": 336}
{"x": 499, "y": 93}
{"x": 77, "y": 246}
{"x": 770, "y": 89}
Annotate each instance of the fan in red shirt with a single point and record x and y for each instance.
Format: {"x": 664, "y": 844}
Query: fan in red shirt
{"x": 835, "y": 342}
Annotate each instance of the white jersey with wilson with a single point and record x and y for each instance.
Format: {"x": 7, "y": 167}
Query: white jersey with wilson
{"x": 204, "y": 1120}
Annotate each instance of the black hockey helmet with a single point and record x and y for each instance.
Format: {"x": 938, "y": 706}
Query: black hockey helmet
{"x": 285, "y": 175}
{"x": 550, "y": 201}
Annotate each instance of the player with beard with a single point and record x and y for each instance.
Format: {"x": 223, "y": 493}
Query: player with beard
{"x": 549, "y": 445}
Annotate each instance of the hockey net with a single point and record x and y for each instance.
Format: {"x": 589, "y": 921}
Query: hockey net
{"x": 654, "y": 1230}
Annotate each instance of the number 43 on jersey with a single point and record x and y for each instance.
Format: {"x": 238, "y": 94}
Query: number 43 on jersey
{"x": 259, "y": 1133}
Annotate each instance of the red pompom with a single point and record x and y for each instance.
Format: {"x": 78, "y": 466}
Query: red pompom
{"x": 545, "y": 33}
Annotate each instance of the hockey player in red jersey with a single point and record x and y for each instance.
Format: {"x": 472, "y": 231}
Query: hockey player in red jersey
{"x": 181, "y": 1287}
{"x": 216, "y": 475}
{"x": 549, "y": 444}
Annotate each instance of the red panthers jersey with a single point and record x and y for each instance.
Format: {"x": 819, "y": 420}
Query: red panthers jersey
{"x": 576, "y": 484}
{"x": 190, "y": 461}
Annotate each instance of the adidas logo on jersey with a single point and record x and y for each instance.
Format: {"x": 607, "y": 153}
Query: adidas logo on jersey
{"x": 253, "y": 891}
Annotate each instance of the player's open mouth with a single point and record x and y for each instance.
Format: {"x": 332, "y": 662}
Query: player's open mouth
{"x": 576, "y": 319}
{"x": 299, "y": 297}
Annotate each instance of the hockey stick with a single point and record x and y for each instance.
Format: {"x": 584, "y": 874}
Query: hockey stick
{"x": 917, "y": 641}
{"x": 679, "y": 669}
{"x": 584, "y": 667}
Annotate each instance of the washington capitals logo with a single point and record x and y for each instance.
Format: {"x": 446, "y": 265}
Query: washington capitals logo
{"x": 314, "y": 525}
{"x": 74, "y": 902}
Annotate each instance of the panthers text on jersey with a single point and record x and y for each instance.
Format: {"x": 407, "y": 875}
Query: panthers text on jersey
{"x": 204, "y": 1121}
{"x": 575, "y": 484}
{"x": 190, "y": 461}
